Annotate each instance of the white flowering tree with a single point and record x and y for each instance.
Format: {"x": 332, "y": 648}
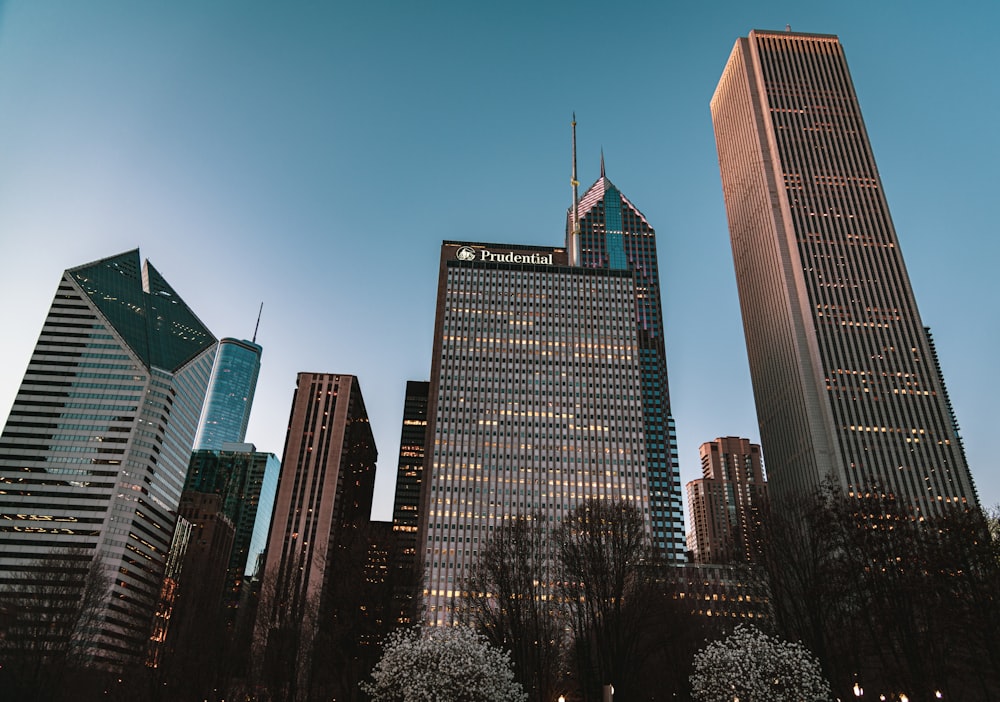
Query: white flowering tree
{"x": 446, "y": 664}
{"x": 750, "y": 666}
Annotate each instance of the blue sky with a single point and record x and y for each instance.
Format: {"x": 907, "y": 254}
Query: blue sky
{"x": 313, "y": 155}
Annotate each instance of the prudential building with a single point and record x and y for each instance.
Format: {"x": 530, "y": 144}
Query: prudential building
{"x": 548, "y": 387}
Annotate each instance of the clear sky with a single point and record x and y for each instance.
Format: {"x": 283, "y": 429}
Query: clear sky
{"x": 313, "y": 156}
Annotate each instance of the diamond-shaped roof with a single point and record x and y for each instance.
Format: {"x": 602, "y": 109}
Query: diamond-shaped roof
{"x": 139, "y": 303}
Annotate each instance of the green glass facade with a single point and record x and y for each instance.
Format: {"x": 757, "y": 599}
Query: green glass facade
{"x": 245, "y": 480}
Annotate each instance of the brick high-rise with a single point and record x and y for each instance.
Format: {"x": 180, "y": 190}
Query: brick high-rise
{"x": 324, "y": 496}
{"x": 727, "y": 503}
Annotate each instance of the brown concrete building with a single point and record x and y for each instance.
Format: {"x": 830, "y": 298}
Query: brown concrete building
{"x": 726, "y": 504}
{"x": 845, "y": 376}
{"x": 324, "y": 497}
{"x": 188, "y": 626}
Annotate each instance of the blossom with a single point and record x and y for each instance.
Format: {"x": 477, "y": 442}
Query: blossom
{"x": 447, "y": 664}
{"x": 750, "y": 666}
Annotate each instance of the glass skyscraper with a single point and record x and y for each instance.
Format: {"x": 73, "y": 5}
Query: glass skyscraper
{"x": 230, "y": 395}
{"x": 615, "y": 235}
{"x": 94, "y": 454}
{"x": 245, "y": 480}
{"x": 844, "y": 372}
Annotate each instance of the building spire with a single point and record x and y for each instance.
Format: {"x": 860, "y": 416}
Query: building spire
{"x": 574, "y": 241}
{"x": 259, "y": 313}
{"x": 602, "y": 161}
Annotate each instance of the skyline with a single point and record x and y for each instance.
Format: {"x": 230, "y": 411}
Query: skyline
{"x": 316, "y": 159}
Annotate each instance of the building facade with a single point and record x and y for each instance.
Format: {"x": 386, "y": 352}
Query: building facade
{"x": 246, "y": 481}
{"x": 726, "y": 505}
{"x": 845, "y": 377}
{"x": 94, "y": 454}
{"x": 536, "y": 402}
{"x": 615, "y": 235}
{"x": 729, "y": 591}
{"x": 230, "y": 395}
{"x": 406, "y": 505}
{"x": 324, "y": 497}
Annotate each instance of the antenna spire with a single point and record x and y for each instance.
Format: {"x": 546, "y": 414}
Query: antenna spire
{"x": 259, "y": 313}
{"x": 602, "y": 161}
{"x": 574, "y": 242}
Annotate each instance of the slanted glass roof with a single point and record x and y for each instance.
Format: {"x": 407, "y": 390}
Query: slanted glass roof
{"x": 144, "y": 309}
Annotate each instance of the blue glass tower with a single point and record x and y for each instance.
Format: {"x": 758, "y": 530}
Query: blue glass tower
{"x": 614, "y": 235}
{"x": 230, "y": 397}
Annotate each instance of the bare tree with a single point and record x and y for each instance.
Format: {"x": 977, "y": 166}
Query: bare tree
{"x": 50, "y": 612}
{"x": 282, "y": 639}
{"x": 511, "y": 599}
{"x": 603, "y": 548}
{"x": 887, "y": 597}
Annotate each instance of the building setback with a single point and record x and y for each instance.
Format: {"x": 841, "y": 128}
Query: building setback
{"x": 230, "y": 395}
{"x": 535, "y": 402}
{"x": 324, "y": 496}
{"x": 727, "y": 503}
{"x": 844, "y": 373}
{"x": 94, "y": 454}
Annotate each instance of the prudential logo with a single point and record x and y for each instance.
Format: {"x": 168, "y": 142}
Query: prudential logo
{"x": 468, "y": 253}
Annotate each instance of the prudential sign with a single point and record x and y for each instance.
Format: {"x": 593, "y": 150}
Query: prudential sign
{"x": 468, "y": 253}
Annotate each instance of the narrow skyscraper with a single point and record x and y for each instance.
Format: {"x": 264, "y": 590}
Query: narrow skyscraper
{"x": 406, "y": 505}
{"x": 93, "y": 458}
{"x": 844, "y": 373}
{"x": 324, "y": 490}
{"x": 614, "y": 235}
{"x": 230, "y": 396}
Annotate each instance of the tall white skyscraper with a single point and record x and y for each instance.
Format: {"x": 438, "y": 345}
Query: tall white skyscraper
{"x": 845, "y": 375}
{"x": 94, "y": 454}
